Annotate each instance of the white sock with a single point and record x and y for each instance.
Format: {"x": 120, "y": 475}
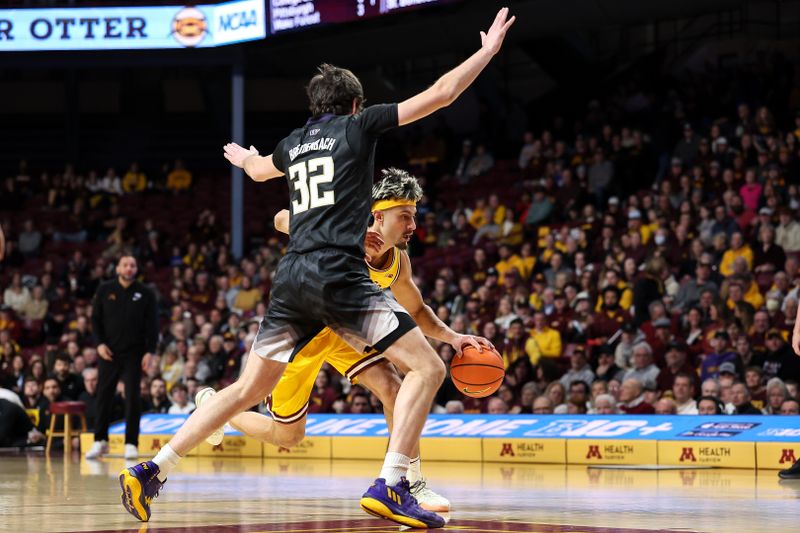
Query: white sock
{"x": 414, "y": 471}
{"x": 166, "y": 459}
{"x": 395, "y": 466}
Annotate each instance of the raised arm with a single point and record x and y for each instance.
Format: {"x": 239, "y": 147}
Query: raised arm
{"x": 259, "y": 168}
{"x": 450, "y": 86}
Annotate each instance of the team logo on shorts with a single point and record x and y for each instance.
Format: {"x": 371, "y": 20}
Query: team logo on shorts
{"x": 189, "y": 26}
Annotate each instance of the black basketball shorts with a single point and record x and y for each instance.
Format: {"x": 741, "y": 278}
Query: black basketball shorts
{"x": 328, "y": 287}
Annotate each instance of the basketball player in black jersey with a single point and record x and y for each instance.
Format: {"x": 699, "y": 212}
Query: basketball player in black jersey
{"x": 323, "y": 279}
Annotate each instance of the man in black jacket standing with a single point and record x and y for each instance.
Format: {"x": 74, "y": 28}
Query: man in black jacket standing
{"x": 125, "y": 325}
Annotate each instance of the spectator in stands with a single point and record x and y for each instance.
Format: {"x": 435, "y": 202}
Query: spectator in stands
{"x": 676, "y": 363}
{"x": 544, "y": 341}
{"x": 741, "y": 399}
{"x": 710, "y": 367}
{"x": 579, "y": 369}
{"x": 180, "y": 400}
{"x": 496, "y": 406}
{"x": 134, "y": 180}
{"x": 556, "y": 393}
{"x": 539, "y": 211}
{"x": 512, "y": 345}
{"x": 71, "y": 386}
{"x": 29, "y": 240}
{"x": 689, "y": 293}
{"x": 529, "y": 392}
{"x": 454, "y": 407}
{"x": 159, "y": 403}
{"x": 179, "y": 179}
{"x": 687, "y": 148}
{"x": 605, "y": 404}
{"x": 607, "y": 368}
{"x": 644, "y": 370}
{"x": 649, "y": 288}
{"x": 666, "y": 406}
{"x": 89, "y": 395}
{"x": 631, "y": 398}
{"x": 791, "y": 407}
{"x": 777, "y": 393}
{"x": 768, "y": 257}
{"x": 463, "y": 161}
{"x": 359, "y": 403}
{"x": 110, "y": 183}
{"x": 481, "y": 163}
{"x": 601, "y": 173}
{"x": 787, "y": 235}
{"x": 531, "y": 149}
{"x": 17, "y": 295}
{"x": 753, "y": 378}
{"x": 779, "y": 359}
{"x": 738, "y": 249}
{"x": 710, "y": 405}
{"x": 35, "y": 308}
{"x": 542, "y": 406}
{"x": 683, "y": 393}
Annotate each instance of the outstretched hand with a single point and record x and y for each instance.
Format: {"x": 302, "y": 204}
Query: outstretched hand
{"x": 492, "y": 40}
{"x": 236, "y": 154}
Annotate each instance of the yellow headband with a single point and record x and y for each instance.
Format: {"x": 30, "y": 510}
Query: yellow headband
{"x": 382, "y": 205}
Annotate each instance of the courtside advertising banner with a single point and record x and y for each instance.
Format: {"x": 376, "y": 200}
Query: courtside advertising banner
{"x": 628, "y": 427}
{"x": 129, "y": 28}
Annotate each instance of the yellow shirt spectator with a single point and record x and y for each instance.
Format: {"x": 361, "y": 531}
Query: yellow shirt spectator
{"x": 478, "y": 217}
{"x": 248, "y": 297}
{"x": 733, "y": 253}
{"x": 179, "y": 179}
{"x": 134, "y": 180}
{"x": 544, "y": 343}
{"x": 753, "y": 296}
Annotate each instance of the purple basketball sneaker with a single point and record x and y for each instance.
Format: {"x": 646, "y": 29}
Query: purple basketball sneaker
{"x": 396, "y": 503}
{"x": 139, "y": 486}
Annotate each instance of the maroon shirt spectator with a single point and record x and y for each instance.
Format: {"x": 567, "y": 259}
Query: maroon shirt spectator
{"x": 631, "y": 399}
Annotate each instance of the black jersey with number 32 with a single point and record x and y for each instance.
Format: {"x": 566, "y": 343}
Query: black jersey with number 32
{"x": 330, "y": 164}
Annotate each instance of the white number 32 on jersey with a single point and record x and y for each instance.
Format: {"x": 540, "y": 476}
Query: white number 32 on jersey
{"x": 307, "y": 176}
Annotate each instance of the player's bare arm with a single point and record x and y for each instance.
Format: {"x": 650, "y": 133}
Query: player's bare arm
{"x": 2, "y": 244}
{"x": 407, "y": 294}
{"x": 450, "y": 86}
{"x": 259, "y": 168}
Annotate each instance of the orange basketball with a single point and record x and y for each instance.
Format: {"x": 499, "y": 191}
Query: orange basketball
{"x": 477, "y": 374}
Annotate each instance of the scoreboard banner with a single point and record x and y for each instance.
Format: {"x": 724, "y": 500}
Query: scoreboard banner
{"x": 688, "y": 428}
{"x": 286, "y": 15}
{"x": 131, "y": 27}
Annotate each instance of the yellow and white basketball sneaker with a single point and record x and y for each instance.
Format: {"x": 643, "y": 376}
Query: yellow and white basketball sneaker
{"x": 202, "y": 395}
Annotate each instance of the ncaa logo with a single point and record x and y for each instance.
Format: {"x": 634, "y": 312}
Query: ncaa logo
{"x": 189, "y": 26}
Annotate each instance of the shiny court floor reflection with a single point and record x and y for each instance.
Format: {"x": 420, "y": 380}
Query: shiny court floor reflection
{"x": 248, "y": 495}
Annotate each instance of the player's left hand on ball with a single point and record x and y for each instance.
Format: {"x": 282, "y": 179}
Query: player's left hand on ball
{"x": 236, "y": 154}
